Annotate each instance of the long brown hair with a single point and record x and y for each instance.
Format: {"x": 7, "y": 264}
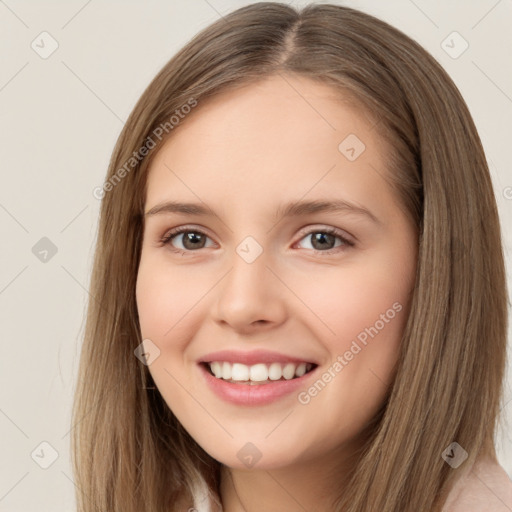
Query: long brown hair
{"x": 130, "y": 453}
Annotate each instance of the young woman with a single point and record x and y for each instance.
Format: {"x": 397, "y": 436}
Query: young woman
{"x": 298, "y": 296}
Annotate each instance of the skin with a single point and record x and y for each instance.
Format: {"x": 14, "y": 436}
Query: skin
{"x": 243, "y": 154}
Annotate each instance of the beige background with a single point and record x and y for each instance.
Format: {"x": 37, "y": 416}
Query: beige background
{"x": 60, "y": 118}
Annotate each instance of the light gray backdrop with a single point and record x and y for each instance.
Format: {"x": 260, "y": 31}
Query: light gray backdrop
{"x": 71, "y": 72}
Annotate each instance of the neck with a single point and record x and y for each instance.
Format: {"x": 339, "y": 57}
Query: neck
{"x": 312, "y": 485}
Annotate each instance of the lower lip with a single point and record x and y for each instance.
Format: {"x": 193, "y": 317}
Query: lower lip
{"x": 253, "y": 394}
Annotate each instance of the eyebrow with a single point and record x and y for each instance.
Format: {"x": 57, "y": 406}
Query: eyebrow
{"x": 291, "y": 209}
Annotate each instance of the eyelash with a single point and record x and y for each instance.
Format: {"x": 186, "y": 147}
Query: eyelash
{"x": 166, "y": 239}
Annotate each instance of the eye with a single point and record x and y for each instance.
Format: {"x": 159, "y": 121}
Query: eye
{"x": 322, "y": 240}
{"x": 192, "y": 239}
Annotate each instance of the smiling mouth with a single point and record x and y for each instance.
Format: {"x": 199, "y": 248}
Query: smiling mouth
{"x": 257, "y": 374}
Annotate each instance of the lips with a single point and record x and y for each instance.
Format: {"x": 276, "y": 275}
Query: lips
{"x": 254, "y": 393}
{"x": 254, "y": 378}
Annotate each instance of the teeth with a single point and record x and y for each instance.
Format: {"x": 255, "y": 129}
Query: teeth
{"x": 226, "y": 370}
{"x": 238, "y": 371}
{"x": 216, "y": 369}
{"x": 289, "y": 371}
{"x": 260, "y": 372}
{"x": 301, "y": 370}
{"x": 257, "y": 373}
{"x": 275, "y": 371}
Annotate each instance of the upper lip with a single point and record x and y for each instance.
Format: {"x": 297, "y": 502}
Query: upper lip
{"x": 252, "y": 357}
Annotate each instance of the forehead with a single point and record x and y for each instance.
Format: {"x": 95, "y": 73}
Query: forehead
{"x": 279, "y": 137}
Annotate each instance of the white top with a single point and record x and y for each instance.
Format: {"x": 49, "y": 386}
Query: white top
{"x": 486, "y": 488}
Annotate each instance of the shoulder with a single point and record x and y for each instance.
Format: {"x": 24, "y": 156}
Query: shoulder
{"x": 486, "y": 488}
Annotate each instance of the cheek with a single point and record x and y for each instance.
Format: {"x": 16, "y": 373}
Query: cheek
{"x": 165, "y": 301}
{"x": 359, "y": 316}
{"x": 347, "y": 301}
{"x": 366, "y": 309}
{"x": 165, "y": 297}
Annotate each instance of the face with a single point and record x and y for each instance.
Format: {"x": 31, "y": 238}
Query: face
{"x": 265, "y": 291}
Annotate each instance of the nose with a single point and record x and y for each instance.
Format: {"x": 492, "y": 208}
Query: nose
{"x": 250, "y": 296}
